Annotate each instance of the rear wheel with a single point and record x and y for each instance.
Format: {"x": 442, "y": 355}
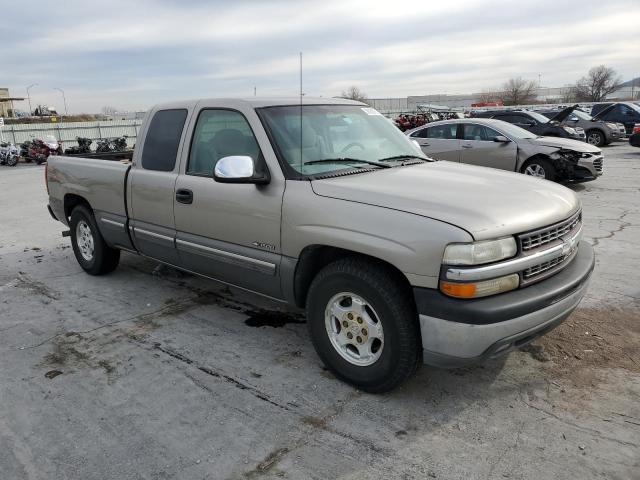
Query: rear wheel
{"x": 539, "y": 168}
{"x": 364, "y": 325}
{"x": 595, "y": 137}
{"x": 90, "y": 249}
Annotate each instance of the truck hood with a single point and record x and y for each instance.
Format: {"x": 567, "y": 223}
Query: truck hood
{"x": 486, "y": 202}
{"x": 564, "y": 143}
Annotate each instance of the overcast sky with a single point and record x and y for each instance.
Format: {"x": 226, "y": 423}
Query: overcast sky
{"x": 130, "y": 54}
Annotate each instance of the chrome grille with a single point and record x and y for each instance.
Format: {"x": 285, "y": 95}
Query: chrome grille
{"x": 597, "y": 163}
{"x": 537, "y": 269}
{"x": 537, "y": 238}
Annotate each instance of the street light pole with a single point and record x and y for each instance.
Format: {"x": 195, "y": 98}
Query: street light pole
{"x": 64, "y": 99}
{"x": 29, "y": 96}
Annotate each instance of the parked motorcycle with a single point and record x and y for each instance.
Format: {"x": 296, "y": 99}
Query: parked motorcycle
{"x": 40, "y": 149}
{"x": 84, "y": 146}
{"x": 9, "y": 154}
{"x": 115, "y": 144}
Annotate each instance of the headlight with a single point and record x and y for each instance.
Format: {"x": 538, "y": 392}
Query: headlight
{"x": 612, "y": 126}
{"x": 480, "y": 289}
{"x": 569, "y": 130}
{"x": 477, "y": 253}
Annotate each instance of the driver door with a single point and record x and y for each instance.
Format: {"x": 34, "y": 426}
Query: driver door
{"x": 479, "y": 148}
{"x": 227, "y": 231}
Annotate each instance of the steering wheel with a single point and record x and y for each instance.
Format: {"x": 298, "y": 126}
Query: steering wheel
{"x": 351, "y": 145}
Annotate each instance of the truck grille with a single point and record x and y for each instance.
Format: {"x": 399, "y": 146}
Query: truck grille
{"x": 597, "y": 163}
{"x": 543, "y": 236}
{"x": 543, "y": 267}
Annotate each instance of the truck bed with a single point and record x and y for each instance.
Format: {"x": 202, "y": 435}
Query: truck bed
{"x": 116, "y": 156}
{"x": 100, "y": 183}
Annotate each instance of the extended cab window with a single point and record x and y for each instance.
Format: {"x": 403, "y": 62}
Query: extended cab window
{"x": 162, "y": 140}
{"x": 218, "y": 134}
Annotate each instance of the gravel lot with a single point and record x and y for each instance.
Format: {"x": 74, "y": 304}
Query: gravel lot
{"x": 149, "y": 374}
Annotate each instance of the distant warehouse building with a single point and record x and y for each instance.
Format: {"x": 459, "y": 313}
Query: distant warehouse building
{"x": 6, "y": 103}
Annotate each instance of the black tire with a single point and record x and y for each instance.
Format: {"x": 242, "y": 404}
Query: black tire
{"x": 12, "y": 160}
{"x": 104, "y": 258}
{"x": 539, "y": 165}
{"x": 595, "y": 138}
{"x": 394, "y": 305}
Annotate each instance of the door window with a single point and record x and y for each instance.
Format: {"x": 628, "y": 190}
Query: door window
{"x": 443, "y": 132}
{"x": 218, "y": 134}
{"x": 163, "y": 139}
{"x": 479, "y": 133}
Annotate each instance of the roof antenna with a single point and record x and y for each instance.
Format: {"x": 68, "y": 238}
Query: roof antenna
{"x": 301, "y": 112}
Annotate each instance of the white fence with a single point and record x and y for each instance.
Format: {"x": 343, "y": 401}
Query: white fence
{"x": 66, "y": 132}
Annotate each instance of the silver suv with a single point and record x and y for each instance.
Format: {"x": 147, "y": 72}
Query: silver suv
{"x": 498, "y": 144}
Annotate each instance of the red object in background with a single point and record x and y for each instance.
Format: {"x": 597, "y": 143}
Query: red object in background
{"x": 636, "y": 128}
{"x": 488, "y": 104}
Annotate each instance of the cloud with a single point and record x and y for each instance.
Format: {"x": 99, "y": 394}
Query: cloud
{"x": 133, "y": 54}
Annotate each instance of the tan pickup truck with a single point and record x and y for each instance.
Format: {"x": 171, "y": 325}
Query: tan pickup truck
{"x": 327, "y": 206}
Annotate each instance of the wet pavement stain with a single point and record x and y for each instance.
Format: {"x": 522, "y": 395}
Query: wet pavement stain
{"x": 271, "y": 318}
{"x": 52, "y": 374}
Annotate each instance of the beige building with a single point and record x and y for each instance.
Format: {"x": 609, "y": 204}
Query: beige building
{"x": 6, "y": 103}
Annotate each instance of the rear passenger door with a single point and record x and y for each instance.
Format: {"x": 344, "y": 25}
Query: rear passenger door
{"x": 228, "y": 231}
{"x": 479, "y": 148}
{"x": 439, "y": 141}
{"x": 151, "y": 185}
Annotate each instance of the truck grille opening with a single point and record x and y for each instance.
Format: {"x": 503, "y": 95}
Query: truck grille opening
{"x": 543, "y": 267}
{"x": 543, "y": 236}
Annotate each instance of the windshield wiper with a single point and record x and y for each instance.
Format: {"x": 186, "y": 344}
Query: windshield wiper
{"x": 398, "y": 157}
{"x": 346, "y": 160}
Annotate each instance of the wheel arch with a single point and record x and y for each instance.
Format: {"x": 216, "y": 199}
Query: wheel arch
{"x": 315, "y": 257}
{"x": 71, "y": 201}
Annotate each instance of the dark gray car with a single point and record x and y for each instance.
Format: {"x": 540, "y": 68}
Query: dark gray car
{"x": 598, "y": 132}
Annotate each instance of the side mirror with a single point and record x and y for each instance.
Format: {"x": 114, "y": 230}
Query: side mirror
{"x": 238, "y": 169}
{"x": 501, "y": 139}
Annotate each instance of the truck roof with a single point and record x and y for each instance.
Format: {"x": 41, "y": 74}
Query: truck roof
{"x": 258, "y": 102}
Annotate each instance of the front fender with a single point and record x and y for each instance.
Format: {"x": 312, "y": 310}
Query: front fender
{"x": 412, "y": 243}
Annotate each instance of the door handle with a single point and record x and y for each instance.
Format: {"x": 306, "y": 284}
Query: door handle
{"x": 425, "y": 144}
{"x": 184, "y": 196}
{"x": 467, "y": 146}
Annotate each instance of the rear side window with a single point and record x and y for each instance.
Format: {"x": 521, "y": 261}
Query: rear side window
{"x": 162, "y": 141}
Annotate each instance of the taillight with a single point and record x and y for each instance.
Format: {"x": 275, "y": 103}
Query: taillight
{"x": 46, "y": 176}
{"x": 636, "y": 129}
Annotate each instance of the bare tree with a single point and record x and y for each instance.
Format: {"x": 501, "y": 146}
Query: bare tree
{"x": 109, "y": 110}
{"x": 354, "y": 93}
{"x": 599, "y": 82}
{"x": 517, "y": 91}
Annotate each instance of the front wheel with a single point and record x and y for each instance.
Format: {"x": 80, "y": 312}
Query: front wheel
{"x": 90, "y": 249}
{"x": 539, "y": 168}
{"x": 596, "y": 138}
{"x": 12, "y": 161}
{"x": 363, "y": 324}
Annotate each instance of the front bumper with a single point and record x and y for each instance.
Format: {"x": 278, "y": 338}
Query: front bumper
{"x": 460, "y": 332}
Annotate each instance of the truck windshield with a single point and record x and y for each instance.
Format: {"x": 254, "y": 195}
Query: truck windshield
{"x": 327, "y": 138}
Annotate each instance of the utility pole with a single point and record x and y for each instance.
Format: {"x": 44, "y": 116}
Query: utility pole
{"x": 254, "y": 91}
{"x": 29, "y": 96}
{"x": 64, "y": 99}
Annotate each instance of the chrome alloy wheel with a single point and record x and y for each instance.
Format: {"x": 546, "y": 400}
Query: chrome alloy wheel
{"x": 354, "y": 329}
{"x": 535, "y": 170}
{"x": 594, "y": 138}
{"x": 84, "y": 239}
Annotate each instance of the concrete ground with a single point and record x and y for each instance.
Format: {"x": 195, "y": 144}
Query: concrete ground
{"x": 148, "y": 374}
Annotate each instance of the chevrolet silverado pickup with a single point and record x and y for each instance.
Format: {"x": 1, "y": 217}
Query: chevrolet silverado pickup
{"x": 325, "y": 205}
